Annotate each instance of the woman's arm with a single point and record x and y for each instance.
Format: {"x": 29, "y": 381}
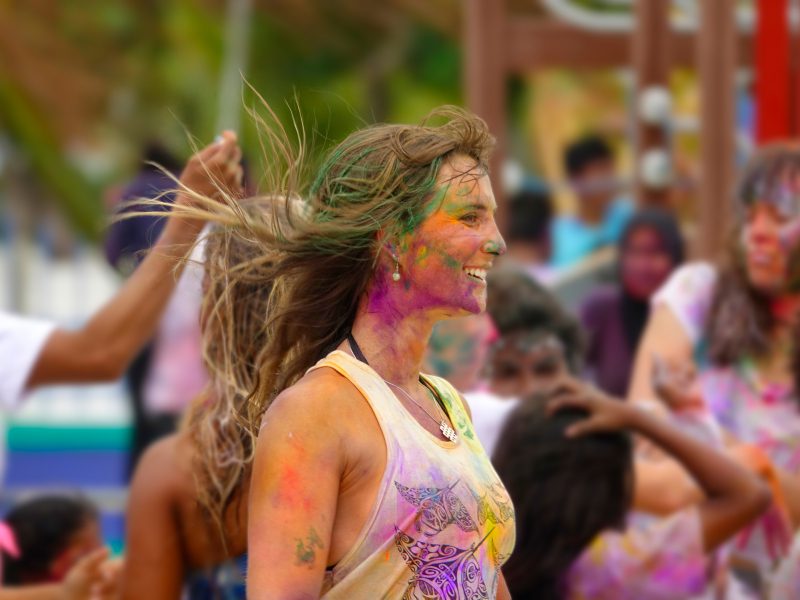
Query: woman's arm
{"x": 154, "y": 566}
{"x": 102, "y": 349}
{"x": 666, "y": 338}
{"x": 299, "y": 459}
{"x": 663, "y": 487}
{"x": 733, "y": 496}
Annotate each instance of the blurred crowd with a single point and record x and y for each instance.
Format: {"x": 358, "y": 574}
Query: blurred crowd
{"x": 646, "y": 426}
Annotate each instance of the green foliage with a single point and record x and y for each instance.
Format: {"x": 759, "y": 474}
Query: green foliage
{"x": 161, "y": 63}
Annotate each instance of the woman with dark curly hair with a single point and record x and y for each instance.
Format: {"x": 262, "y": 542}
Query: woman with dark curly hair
{"x": 737, "y": 321}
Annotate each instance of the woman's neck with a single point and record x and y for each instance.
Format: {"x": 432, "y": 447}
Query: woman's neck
{"x": 393, "y": 342}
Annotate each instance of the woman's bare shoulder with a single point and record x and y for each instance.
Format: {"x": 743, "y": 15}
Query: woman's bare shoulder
{"x": 324, "y": 391}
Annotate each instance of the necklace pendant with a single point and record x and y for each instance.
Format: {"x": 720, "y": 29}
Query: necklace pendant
{"x": 448, "y": 431}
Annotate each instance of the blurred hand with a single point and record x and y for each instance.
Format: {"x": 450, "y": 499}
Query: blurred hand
{"x": 214, "y": 168}
{"x": 89, "y": 579}
{"x": 605, "y": 413}
{"x": 676, "y": 385}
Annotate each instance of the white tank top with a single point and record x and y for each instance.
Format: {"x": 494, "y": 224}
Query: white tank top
{"x": 443, "y": 523}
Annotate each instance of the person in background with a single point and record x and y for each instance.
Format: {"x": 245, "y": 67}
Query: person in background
{"x": 567, "y": 460}
{"x": 736, "y": 322}
{"x": 528, "y": 235}
{"x": 600, "y": 216}
{"x": 457, "y": 350}
{"x": 187, "y": 512}
{"x": 172, "y": 361}
{"x": 52, "y": 534}
{"x": 614, "y": 317}
{"x": 52, "y": 550}
{"x": 34, "y": 353}
{"x": 536, "y": 343}
{"x": 128, "y": 240}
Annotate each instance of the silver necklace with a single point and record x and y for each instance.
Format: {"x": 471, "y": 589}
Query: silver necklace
{"x": 444, "y": 426}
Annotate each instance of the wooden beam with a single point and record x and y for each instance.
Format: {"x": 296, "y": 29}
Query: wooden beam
{"x": 649, "y": 56}
{"x": 486, "y": 78}
{"x": 716, "y": 65}
{"x": 532, "y": 43}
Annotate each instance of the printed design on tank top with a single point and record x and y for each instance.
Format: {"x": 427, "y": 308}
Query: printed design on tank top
{"x": 441, "y": 571}
{"x": 489, "y": 514}
{"x": 498, "y": 559}
{"x": 438, "y": 508}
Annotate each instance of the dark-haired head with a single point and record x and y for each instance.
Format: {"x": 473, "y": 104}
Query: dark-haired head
{"x": 586, "y": 152}
{"x": 538, "y": 340}
{"x": 565, "y": 492}
{"x": 52, "y": 534}
{"x": 650, "y": 248}
{"x": 531, "y": 210}
{"x": 156, "y": 152}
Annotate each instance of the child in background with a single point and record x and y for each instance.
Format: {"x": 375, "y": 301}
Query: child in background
{"x": 52, "y": 534}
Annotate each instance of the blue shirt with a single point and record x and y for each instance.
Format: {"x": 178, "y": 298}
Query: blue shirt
{"x": 573, "y": 240}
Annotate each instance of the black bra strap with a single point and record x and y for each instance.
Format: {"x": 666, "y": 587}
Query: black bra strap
{"x": 356, "y": 349}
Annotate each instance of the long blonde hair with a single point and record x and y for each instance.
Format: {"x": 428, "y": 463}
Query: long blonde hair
{"x": 319, "y": 261}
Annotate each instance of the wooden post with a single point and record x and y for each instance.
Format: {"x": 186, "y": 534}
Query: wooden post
{"x": 651, "y": 61}
{"x": 716, "y": 63}
{"x": 485, "y": 79}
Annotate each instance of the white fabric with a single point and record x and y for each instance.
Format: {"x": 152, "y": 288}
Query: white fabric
{"x": 489, "y": 413}
{"x": 21, "y": 342}
{"x": 688, "y": 293}
{"x": 176, "y": 373}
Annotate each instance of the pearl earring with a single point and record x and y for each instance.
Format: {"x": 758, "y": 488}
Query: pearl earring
{"x": 396, "y": 274}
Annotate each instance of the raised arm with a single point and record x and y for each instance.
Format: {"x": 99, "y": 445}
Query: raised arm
{"x": 733, "y": 496}
{"x": 664, "y": 337}
{"x": 102, "y": 349}
{"x": 293, "y": 495}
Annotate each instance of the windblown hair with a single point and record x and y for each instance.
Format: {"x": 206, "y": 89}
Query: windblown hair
{"x": 740, "y": 320}
{"x": 234, "y": 317}
{"x": 565, "y": 492}
{"x": 378, "y": 184}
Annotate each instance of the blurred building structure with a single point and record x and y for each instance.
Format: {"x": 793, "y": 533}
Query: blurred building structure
{"x": 499, "y": 44}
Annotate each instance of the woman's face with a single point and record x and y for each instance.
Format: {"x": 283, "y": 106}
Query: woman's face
{"x": 522, "y": 365}
{"x": 768, "y": 239}
{"x": 645, "y": 263}
{"x": 444, "y": 261}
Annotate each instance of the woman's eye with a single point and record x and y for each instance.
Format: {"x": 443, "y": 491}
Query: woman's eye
{"x": 471, "y": 218}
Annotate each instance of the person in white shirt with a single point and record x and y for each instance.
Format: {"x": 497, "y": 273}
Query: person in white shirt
{"x": 35, "y": 353}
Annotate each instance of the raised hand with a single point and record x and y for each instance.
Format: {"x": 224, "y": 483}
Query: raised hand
{"x": 90, "y": 579}
{"x": 214, "y": 169}
{"x": 604, "y": 412}
{"x": 676, "y": 385}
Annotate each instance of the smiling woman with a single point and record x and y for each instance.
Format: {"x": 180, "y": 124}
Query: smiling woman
{"x": 739, "y": 322}
{"x": 367, "y": 477}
